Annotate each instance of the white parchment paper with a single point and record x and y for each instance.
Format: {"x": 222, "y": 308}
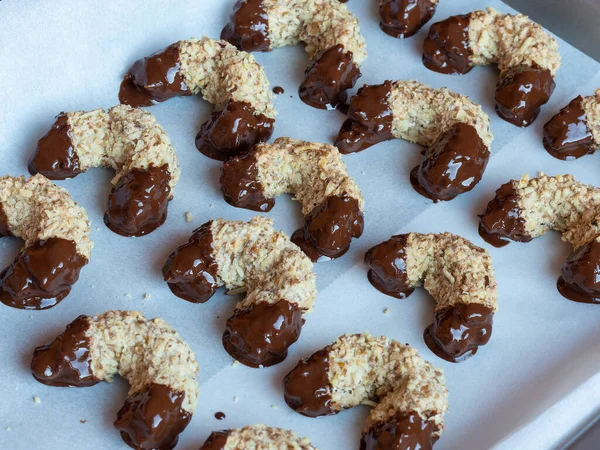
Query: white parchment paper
{"x": 70, "y": 55}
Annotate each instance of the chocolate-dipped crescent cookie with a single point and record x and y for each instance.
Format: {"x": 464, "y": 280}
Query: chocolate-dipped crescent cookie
{"x": 160, "y": 368}
{"x": 403, "y": 18}
{"x": 409, "y": 395}
{"x": 230, "y": 79}
{"x": 256, "y": 437}
{"x": 327, "y": 27}
{"x": 57, "y": 244}
{"x": 530, "y": 207}
{"x": 456, "y": 273}
{"x": 526, "y": 55}
{"x": 454, "y": 130}
{"x": 575, "y": 130}
{"x": 317, "y": 177}
{"x": 249, "y": 257}
{"x": 128, "y": 140}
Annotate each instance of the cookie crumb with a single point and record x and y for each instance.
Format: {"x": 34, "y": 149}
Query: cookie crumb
{"x": 236, "y": 399}
{"x": 386, "y": 311}
{"x": 274, "y": 407}
{"x": 128, "y": 295}
{"x": 211, "y": 205}
{"x": 8, "y": 428}
{"x": 82, "y": 421}
{"x": 37, "y": 399}
{"x": 188, "y": 217}
{"x": 147, "y": 296}
{"x": 235, "y": 363}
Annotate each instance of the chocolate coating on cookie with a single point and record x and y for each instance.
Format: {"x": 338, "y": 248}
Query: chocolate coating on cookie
{"x": 241, "y": 186}
{"x": 387, "y": 267}
{"x": 4, "y": 228}
{"x": 55, "y": 156}
{"x": 403, "y": 18}
{"x": 446, "y": 48}
{"x": 567, "y": 135}
{"x": 403, "y": 431}
{"x": 579, "y": 280}
{"x": 216, "y": 441}
{"x": 41, "y": 275}
{"x": 248, "y": 28}
{"x": 137, "y": 205}
{"x": 233, "y": 130}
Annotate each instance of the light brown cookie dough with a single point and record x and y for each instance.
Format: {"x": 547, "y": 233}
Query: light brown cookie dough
{"x": 456, "y": 273}
{"x": 251, "y": 258}
{"x": 526, "y": 55}
{"x": 256, "y": 437}
{"x": 454, "y": 130}
{"x": 317, "y": 177}
{"x": 126, "y": 139}
{"x": 330, "y": 31}
{"x": 230, "y": 79}
{"x": 530, "y": 207}
{"x": 408, "y": 394}
{"x": 57, "y": 244}
{"x": 160, "y": 368}
{"x": 575, "y": 130}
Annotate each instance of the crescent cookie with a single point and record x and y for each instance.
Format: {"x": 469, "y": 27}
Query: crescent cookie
{"x": 256, "y": 437}
{"x": 575, "y": 130}
{"x": 408, "y": 394}
{"x": 530, "y": 207}
{"x": 56, "y": 232}
{"x": 160, "y": 368}
{"x": 454, "y": 130}
{"x": 403, "y": 18}
{"x": 251, "y": 258}
{"x": 230, "y": 79}
{"x": 317, "y": 177}
{"x": 327, "y": 27}
{"x": 526, "y": 55}
{"x": 126, "y": 139}
{"x": 456, "y": 273}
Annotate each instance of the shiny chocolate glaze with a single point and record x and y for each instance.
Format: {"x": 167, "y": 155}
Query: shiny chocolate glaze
{"x": 41, "y": 274}
{"x": 55, "y": 157}
{"x": 233, "y": 130}
{"x": 153, "y": 79}
{"x": 402, "y": 431}
{"x": 369, "y": 119}
{"x": 240, "y": 185}
{"x": 446, "y": 48}
{"x": 387, "y": 267}
{"x": 260, "y": 335}
{"x": 66, "y": 361}
{"x": 248, "y": 27}
{"x": 191, "y": 270}
{"x": 453, "y": 164}
{"x": 307, "y": 389}
{"x": 216, "y": 441}
{"x": 4, "y": 230}
{"x": 403, "y": 18}
{"x": 567, "y": 135}
{"x": 329, "y": 228}
{"x": 580, "y": 274}
{"x": 330, "y": 74}
{"x": 521, "y": 92}
{"x": 153, "y": 418}
{"x": 137, "y": 204}
{"x": 220, "y": 415}
{"x": 278, "y": 90}
{"x": 503, "y": 219}
{"x": 457, "y": 331}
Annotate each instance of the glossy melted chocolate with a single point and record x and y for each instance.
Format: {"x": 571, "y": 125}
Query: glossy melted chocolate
{"x": 387, "y": 267}
{"x": 41, "y": 274}
{"x": 446, "y": 48}
{"x": 457, "y": 331}
{"x": 307, "y": 389}
{"x": 453, "y": 164}
{"x": 191, "y": 270}
{"x": 330, "y": 74}
{"x": 4, "y": 230}
{"x": 329, "y": 228}
{"x": 502, "y": 219}
{"x": 66, "y": 360}
{"x": 153, "y": 418}
{"x": 369, "y": 119}
{"x": 403, "y": 18}
{"x": 403, "y": 431}
{"x": 260, "y": 335}
{"x": 580, "y": 274}
{"x": 240, "y": 185}
{"x": 567, "y": 135}
{"x": 137, "y": 204}
{"x": 216, "y": 441}
{"x": 521, "y": 92}
{"x": 55, "y": 157}
{"x": 248, "y": 27}
{"x": 233, "y": 130}
{"x": 154, "y": 79}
